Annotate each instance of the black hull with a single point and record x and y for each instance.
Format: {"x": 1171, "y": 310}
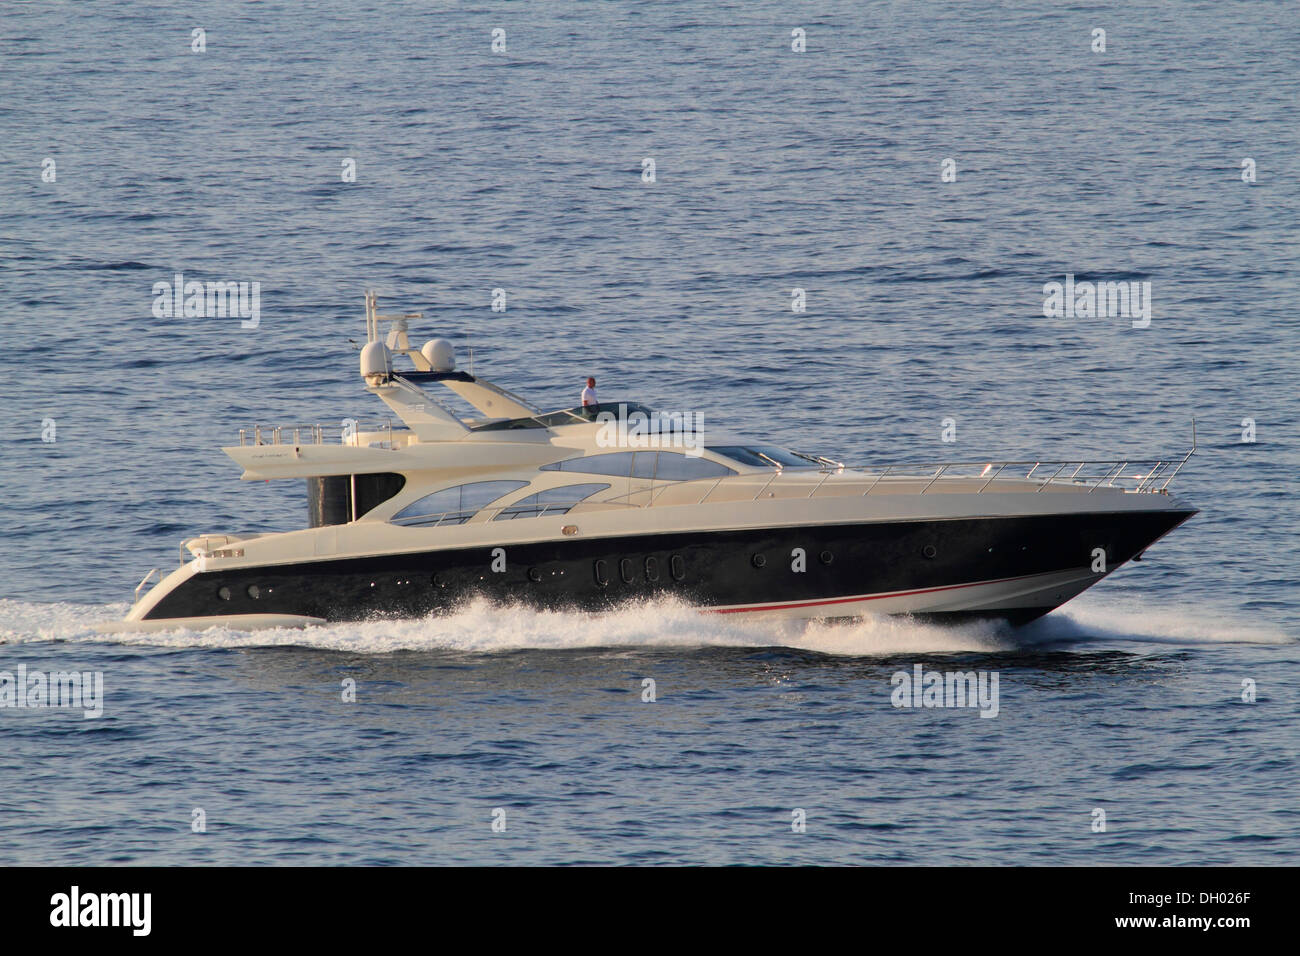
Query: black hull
{"x": 731, "y": 569}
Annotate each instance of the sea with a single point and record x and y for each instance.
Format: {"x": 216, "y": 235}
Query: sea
{"x": 829, "y": 226}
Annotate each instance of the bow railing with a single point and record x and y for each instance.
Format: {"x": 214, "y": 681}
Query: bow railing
{"x": 1136, "y": 476}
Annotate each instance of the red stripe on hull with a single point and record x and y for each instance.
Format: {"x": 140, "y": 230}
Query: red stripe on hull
{"x": 865, "y": 597}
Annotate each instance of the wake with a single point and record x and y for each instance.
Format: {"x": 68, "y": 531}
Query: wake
{"x": 484, "y": 628}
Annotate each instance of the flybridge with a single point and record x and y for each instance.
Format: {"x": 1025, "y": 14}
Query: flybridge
{"x": 294, "y": 450}
{"x": 428, "y": 418}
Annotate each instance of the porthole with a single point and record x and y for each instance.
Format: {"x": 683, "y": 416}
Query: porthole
{"x": 534, "y": 575}
{"x": 929, "y": 551}
{"x": 758, "y": 560}
{"x": 826, "y": 557}
{"x": 223, "y": 592}
{"x": 652, "y": 569}
{"x": 439, "y": 580}
{"x": 254, "y": 591}
{"x": 601, "y": 570}
{"x": 677, "y": 567}
{"x": 625, "y": 570}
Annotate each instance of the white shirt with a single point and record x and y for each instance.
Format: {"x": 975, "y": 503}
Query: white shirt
{"x": 589, "y": 396}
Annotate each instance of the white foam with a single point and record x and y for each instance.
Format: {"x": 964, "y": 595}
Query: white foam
{"x": 1137, "y": 618}
{"x": 481, "y": 627}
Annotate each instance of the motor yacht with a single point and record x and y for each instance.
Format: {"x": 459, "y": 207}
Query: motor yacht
{"x": 590, "y": 507}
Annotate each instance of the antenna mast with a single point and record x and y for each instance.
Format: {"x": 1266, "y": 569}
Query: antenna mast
{"x": 397, "y": 334}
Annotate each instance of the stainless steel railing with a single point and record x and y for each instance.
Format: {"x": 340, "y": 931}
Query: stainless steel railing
{"x": 1137, "y": 476}
{"x": 143, "y": 582}
{"x": 316, "y": 434}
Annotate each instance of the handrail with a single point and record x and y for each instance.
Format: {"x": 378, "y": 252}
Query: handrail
{"x": 314, "y": 434}
{"x": 1109, "y": 477}
{"x": 1055, "y": 474}
{"x": 1189, "y": 454}
{"x": 1158, "y": 466}
{"x": 874, "y": 483}
{"x": 143, "y": 581}
{"x": 710, "y": 491}
{"x": 826, "y": 475}
{"x": 1087, "y": 474}
{"x": 999, "y": 471}
{"x": 937, "y": 475}
{"x": 775, "y": 475}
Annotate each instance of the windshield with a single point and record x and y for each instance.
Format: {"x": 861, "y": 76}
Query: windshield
{"x": 763, "y": 456}
{"x": 570, "y": 416}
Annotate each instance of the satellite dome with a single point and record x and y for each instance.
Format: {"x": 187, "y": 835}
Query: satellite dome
{"x": 440, "y": 355}
{"x": 375, "y": 361}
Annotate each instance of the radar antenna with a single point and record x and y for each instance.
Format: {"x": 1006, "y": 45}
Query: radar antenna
{"x": 396, "y": 338}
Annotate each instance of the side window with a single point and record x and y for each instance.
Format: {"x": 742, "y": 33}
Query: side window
{"x": 617, "y": 464}
{"x": 483, "y": 493}
{"x": 674, "y": 466}
{"x": 660, "y": 465}
{"x": 643, "y": 466}
{"x": 454, "y": 505}
{"x": 743, "y": 455}
{"x": 552, "y": 501}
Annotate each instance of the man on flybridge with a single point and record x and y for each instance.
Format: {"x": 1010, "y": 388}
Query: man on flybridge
{"x": 589, "y": 394}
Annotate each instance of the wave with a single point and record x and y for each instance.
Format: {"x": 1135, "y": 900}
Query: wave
{"x": 1128, "y": 617}
{"x": 484, "y": 628}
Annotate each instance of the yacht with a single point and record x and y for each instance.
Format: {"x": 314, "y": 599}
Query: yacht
{"x": 593, "y": 506}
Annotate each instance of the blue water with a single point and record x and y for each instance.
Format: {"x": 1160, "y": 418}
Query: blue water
{"x": 774, "y": 170}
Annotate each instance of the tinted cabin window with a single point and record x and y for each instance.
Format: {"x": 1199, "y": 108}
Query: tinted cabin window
{"x": 659, "y": 465}
{"x": 454, "y": 505}
{"x": 552, "y": 501}
{"x": 329, "y": 498}
{"x": 762, "y": 456}
{"x": 509, "y": 425}
{"x": 643, "y": 464}
{"x": 617, "y": 464}
{"x": 570, "y": 416}
{"x": 374, "y": 490}
{"x": 560, "y": 418}
{"x": 674, "y": 466}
